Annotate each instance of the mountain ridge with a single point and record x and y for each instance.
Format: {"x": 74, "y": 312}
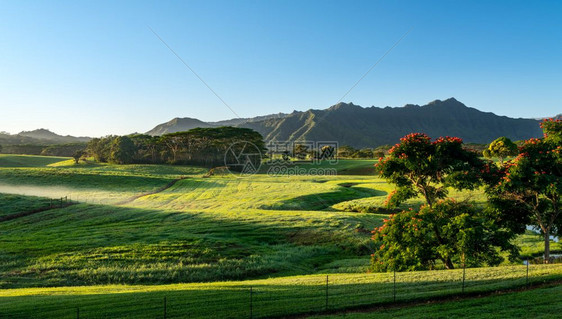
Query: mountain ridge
{"x": 347, "y": 124}
{"x": 350, "y": 124}
{"x": 39, "y": 137}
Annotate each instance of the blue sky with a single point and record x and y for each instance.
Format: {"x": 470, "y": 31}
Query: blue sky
{"x": 95, "y": 68}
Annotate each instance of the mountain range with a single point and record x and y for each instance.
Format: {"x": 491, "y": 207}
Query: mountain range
{"x": 347, "y": 124}
{"x": 353, "y": 125}
{"x": 41, "y": 137}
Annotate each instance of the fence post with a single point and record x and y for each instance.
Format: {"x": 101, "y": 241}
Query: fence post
{"x": 77, "y": 313}
{"x": 527, "y": 280}
{"x": 394, "y": 287}
{"x": 251, "y": 304}
{"x": 463, "y": 275}
{"x": 326, "y": 292}
{"x": 165, "y": 310}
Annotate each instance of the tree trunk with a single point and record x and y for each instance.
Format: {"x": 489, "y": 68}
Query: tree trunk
{"x": 546, "y": 247}
{"x": 427, "y": 198}
{"x": 448, "y": 263}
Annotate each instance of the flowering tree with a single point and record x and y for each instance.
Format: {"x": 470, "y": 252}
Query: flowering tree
{"x": 531, "y": 185}
{"x": 419, "y": 166}
{"x": 448, "y": 232}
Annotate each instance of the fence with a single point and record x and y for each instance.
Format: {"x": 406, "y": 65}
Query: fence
{"x": 58, "y": 202}
{"x": 277, "y": 297}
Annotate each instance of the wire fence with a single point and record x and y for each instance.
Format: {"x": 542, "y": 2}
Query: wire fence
{"x": 275, "y": 297}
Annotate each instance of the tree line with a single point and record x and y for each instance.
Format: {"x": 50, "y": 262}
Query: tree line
{"x": 523, "y": 191}
{"x": 199, "y": 146}
{"x": 65, "y": 150}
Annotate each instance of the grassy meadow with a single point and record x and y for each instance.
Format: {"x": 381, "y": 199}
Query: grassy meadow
{"x": 275, "y": 297}
{"x": 138, "y": 233}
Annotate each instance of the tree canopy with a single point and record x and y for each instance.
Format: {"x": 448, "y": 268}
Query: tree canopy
{"x": 418, "y": 166}
{"x": 530, "y": 186}
{"x": 199, "y": 146}
{"x": 450, "y": 232}
{"x": 501, "y": 148}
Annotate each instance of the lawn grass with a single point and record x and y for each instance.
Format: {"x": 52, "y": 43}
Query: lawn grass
{"x": 532, "y": 245}
{"x": 535, "y": 303}
{"x": 341, "y": 166}
{"x": 13, "y": 204}
{"x": 92, "y": 244}
{"x": 269, "y": 297}
{"x": 90, "y": 182}
{"x": 9, "y": 160}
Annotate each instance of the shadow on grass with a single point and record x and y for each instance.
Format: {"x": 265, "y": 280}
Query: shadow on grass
{"x": 103, "y": 244}
{"x": 323, "y": 201}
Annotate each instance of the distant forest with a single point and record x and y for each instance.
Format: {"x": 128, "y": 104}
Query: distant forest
{"x": 200, "y": 146}
{"x": 66, "y": 150}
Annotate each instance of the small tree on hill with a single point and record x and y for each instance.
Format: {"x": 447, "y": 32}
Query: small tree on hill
{"x": 501, "y": 148}
{"x": 418, "y": 166}
{"x": 78, "y": 155}
{"x": 300, "y": 151}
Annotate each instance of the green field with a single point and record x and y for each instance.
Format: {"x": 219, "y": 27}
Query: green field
{"x": 13, "y": 204}
{"x": 28, "y": 160}
{"x": 268, "y": 297}
{"x": 150, "y": 229}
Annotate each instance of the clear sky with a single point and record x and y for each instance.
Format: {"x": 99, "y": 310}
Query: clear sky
{"x": 95, "y": 68}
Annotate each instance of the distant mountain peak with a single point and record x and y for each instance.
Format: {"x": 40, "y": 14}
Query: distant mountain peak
{"x": 344, "y": 106}
{"x": 448, "y": 103}
{"x": 48, "y": 136}
{"x": 450, "y": 100}
{"x": 177, "y": 124}
{"x": 37, "y": 131}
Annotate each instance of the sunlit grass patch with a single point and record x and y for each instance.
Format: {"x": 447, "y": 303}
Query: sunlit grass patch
{"x": 268, "y": 297}
{"x": 9, "y": 160}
